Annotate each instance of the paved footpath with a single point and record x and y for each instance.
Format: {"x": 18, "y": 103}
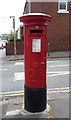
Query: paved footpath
{"x": 57, "y": 107}
{"x": 51, "y": 55}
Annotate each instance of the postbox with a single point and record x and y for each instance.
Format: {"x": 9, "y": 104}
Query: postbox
{"x": 35, "y": 50}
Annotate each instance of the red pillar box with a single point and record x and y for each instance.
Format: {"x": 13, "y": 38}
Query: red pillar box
{"x": 35, "y": 42}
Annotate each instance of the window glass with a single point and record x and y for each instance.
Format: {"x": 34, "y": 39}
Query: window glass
{"x": 63, "y": 5}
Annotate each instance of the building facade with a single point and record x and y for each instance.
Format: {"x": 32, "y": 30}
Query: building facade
{"x": 19, "y": 32}
{"x": 59, "y": 36}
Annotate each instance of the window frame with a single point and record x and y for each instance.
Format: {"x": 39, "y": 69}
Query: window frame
{"x": 63, "y": 10}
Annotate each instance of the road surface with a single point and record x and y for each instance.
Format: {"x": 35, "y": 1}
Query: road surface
{"x": 12, "y": 74}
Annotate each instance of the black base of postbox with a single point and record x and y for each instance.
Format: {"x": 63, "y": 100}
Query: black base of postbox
{"x": 35, "y": 99}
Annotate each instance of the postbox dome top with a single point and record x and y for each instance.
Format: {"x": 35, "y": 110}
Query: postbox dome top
{"x": 35, "y": 18}
{"x": 36, "y": 14}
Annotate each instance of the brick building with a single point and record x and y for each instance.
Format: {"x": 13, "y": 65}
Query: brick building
{"x": 59, "y": 37}
{"x": 19, "y": 32}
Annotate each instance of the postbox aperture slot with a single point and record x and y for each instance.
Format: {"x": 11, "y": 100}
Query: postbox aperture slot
{"x": 36, "y": 31}
{"x": 36, "y": 44}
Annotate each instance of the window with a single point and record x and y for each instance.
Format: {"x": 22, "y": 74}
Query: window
{"x": 62, "y": 6}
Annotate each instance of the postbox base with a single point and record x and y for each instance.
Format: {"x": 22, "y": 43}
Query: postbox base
{"x": 35, "y": 99}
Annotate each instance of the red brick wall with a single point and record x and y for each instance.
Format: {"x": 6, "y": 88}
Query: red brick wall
{"x": 58, "y": 28}
{"x": 10, "y": 48}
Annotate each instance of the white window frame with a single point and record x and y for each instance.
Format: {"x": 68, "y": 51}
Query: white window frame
{"x": 63, "y": 10}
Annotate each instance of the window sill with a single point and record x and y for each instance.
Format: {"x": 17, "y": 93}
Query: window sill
{"x": 61, "y": 11}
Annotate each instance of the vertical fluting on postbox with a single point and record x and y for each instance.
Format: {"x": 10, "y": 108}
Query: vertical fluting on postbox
{"x": 35, "y": 50}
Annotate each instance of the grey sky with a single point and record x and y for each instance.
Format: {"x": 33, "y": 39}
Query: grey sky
{"x": 10, "y": 8}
